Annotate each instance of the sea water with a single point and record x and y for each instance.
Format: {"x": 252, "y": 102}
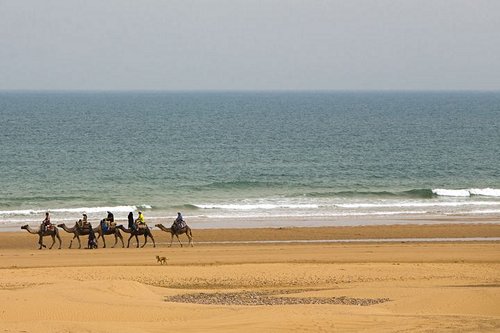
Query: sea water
{"x": 249, "y": 159}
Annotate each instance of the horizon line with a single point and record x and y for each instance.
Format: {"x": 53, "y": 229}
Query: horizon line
{"x": 248, "y": 90}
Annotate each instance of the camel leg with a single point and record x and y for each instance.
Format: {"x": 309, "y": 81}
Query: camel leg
{"x": 128, "y": 244}
{"x": 121, "y": 238}
{"x": 60, "y": 242}
{"x": 137, "y": 240}
{"x": 53, "y": 241}
{"x": 40, "y": 242}
{"x": 152, "y": 238}
{"x": 116, "y": 241}
{"x": 79, "y": 242}
{"x": 145, "y": 240}
{"x": 178, "y": 239}
{"x": 71, "y": 243}
{"x": 104, "y": 241}
{"x": 190, "y": 236}
{"x": 171, "y": 240}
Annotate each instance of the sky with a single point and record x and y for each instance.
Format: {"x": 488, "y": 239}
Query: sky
{"x": 249, "y": 45}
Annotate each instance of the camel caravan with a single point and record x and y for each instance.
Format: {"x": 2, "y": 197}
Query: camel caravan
{"x": 83, "y": 228}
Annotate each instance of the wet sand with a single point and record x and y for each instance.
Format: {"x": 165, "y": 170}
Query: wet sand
{"x": 266, "y": 287}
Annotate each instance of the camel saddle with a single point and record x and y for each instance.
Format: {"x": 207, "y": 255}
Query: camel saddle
{"x": 84, "y": 228}
{"x": 141, "y": 226}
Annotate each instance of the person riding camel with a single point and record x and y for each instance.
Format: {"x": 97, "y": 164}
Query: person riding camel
{"x": 131, "y": 224}
{"x": 140, "y": 221}
{"x": 45, "y": 223}
{"x": 85, "y": 222}
{"x": 179, "y": 222}
{"x": 110, "y": 220}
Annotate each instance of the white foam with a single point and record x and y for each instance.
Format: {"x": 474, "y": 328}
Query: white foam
{"x": 20, "y": 212}
{"x": 88, "y": 210}
{"x": 487, "y": 192}
{"x": 256, "y": 206}
{"x": 144, "y": 206}
{"x": 451, "y": 193}
{"x": 483, "y": 211}
{"x": 420, "y": 204}
{"x": 306, "y": 215}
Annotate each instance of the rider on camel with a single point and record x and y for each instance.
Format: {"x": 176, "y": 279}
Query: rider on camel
{"x": 140, "y": 221}
{"x": 131, "y": 224}
{"x": 45, "y": 223}
{"x": 179, "y": 222}
{"x": 110, "y": 220}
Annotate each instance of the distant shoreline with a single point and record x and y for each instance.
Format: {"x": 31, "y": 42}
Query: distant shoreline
{"x": 242, "y": 223}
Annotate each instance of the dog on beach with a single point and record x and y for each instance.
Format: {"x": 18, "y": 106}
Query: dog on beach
{"x": 161, "y": 260}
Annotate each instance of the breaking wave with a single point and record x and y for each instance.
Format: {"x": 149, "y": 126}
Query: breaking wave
{"x": 486, "y": 192}
{"x": 413, "y": 193}
{"x": 88, "y": 210}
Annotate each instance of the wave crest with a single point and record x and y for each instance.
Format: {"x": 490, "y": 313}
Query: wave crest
{"x": 487, "y": 192}
{"x": 88, "y": 210}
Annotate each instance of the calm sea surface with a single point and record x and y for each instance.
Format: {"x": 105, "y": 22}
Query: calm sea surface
{"x": 219, "y": 157}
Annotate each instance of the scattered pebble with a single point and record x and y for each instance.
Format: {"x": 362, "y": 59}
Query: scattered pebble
{"x": 266, "y": 298}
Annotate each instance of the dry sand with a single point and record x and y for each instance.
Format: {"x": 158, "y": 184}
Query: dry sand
{"x": 270, "y": 287}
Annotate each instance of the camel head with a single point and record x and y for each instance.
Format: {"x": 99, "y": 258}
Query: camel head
{"x": 25, "y": 227}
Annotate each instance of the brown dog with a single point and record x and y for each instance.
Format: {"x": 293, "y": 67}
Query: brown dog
{"x": 161, "y": 260}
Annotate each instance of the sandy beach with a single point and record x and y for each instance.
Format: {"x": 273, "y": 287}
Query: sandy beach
{"x": 279, "y": 286}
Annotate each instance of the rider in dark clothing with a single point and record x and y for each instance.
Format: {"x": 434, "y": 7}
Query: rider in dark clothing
{"x": 45, "y": 223}
{"x": 131, "y": 224}
{"x": 110, "y": 218}
{"x": 179, "y": 222}
{"x": 92, "y": 243}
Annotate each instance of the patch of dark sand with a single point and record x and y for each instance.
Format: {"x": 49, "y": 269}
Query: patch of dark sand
{"x": 253, "y": 298}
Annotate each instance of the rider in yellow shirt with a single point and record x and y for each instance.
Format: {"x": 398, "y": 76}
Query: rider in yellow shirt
{"x": 140, "y": 221}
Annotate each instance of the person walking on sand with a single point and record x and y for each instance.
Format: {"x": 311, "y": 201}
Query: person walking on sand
{"x": 92, "y": 242}
{"x": 45, "y": 223}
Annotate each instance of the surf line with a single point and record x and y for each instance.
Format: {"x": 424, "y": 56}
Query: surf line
{"x": 368, "y": 240}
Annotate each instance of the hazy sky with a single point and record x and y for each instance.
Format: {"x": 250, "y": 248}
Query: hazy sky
{"x": 258, "y": 45}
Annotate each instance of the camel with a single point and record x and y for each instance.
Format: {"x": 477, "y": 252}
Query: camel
{"x": 52, "y": 232}
{"x": 137, "y": 232}
{"x": 186, "y": 230}
{"x": 110, "y": 231}
{"x": 76, "y": 231}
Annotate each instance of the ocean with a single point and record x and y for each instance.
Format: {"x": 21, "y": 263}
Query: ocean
{"x": 250, "y": 159}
